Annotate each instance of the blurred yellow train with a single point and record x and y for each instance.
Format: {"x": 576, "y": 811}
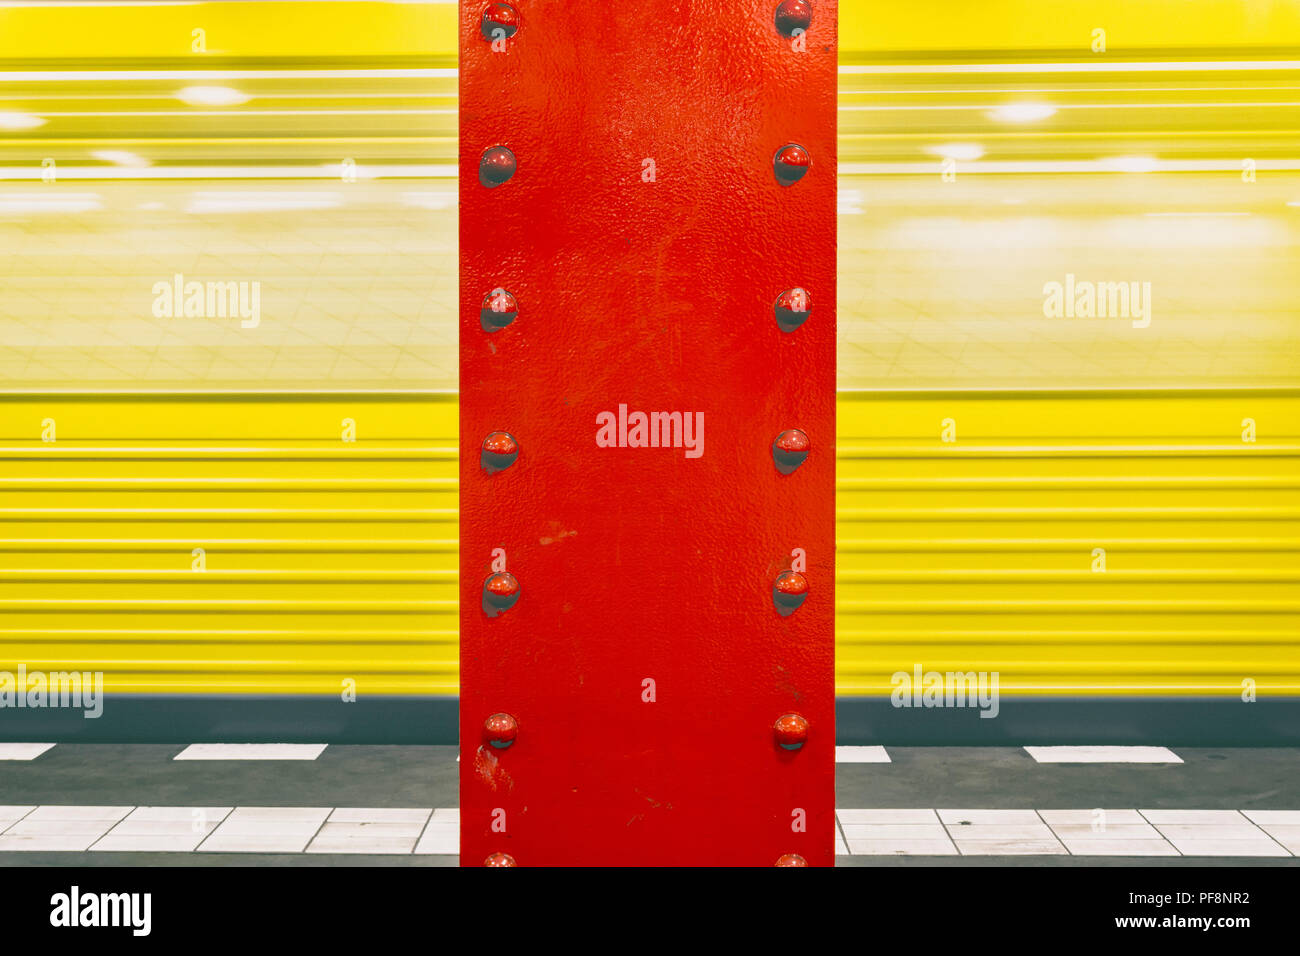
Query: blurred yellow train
{"x": 1102, "y": 509}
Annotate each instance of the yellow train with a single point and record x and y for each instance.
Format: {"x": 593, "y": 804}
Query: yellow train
{"x": 249, "y": 526}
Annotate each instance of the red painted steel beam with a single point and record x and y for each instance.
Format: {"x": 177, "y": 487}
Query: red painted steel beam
{"x": 647, "y": 226}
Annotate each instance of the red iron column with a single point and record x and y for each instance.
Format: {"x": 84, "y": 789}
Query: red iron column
{"x": 647, "y": 427}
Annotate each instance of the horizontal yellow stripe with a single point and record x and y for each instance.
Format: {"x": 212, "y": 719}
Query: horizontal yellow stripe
{"x": 426, "y": 32}
{"x": 274, "y": 29}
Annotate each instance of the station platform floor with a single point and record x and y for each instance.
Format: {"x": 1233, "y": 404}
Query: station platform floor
{"x": 312, "y": 804}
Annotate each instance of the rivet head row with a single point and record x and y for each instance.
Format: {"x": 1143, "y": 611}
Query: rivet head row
{"x": 793, "y": 15}
{"x": 496, "y": 166}
{"x": 498, "y": 310}
{"x": 501, "y": 730}
{"x": 791, "y": 163}
{"x": 789, "y": 449}
{"x": 500, "y": 21}
{"x": 499, "y": 452}
{"x": 789, "y": 591}
{"x": 500, "y": 593}
{"x": 792, "y": 308}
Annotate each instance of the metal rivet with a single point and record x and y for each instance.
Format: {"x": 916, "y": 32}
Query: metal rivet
{"x": 499, "y": 452}
{"x": 501, "y": 21}
{"x": 793, "y": 15}
{"x": 498, "y": 310}
{"x": 791, "y": 731}
{"x": 505, "y": 859}
{"x": 790, "y": 164}
{"x": 497, "y": 166}
{"x": 792, "y": 308}
{"x": 789, "y": 591}
{"x": 791, "y": 859}
{"x": 500, "y": 592}
{"x": 501, "y": 730}
{"x": 789, "y": 450}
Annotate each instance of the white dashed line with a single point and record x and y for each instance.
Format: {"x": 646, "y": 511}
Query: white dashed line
{"x": 861, "y": 755}
{"x": 1103, "y": 755}
{"x": 22, "y": 751}
{"x": 251, "y": 752}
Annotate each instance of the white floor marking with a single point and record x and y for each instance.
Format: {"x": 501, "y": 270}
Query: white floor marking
{"x": 1219, "y": 817}
{"x": 1215, "y": 833}
{"x": 22, "y": 751}
{"x": 1282, "y": 825}
{"x": 1105, "y": 831}
{"x": 859, "y": 832}
{"x": 442, "y": 834}
{"x": 251, "y": 752}
{"x": 1101, "y": 817}
{"x": 898, "y": 839}
{"x": 1262, "y": 817}
{"x": 886, "y": 816}
{"x": 1103, "y": 755}
{"x": 989, "y": 817}
{"x": 841, "y": 848}
{"x": 61, "y": 828}
{"x": 266, "y": 830}
{"x": 1001, "y": 833}
{"x": 361, "y": 830}
{"x": 861, "y": 755}
{"x": 9, "y": 815}
{"x": 161, "y": 830}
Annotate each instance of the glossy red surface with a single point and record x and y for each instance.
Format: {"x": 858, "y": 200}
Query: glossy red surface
{"x": 790, "y": 859}
{"x": 791, "y": 163}
{"x": 499, "y": 17}
{"x": 791, "y": 730}
{"x": 502, "y": 583}
{"x": 505, "y": 859}
{"x": 501, "y": 730}
{"x": 648, "y": 285}
{"x": 500, "y": 443}
{"x": 795, "y": 300}
{"x": 791, "y": 582}
{"x": 793, "y": 15}
{"x": 500, "y": 300}
{"x": 496, "y": 166}
{"x": 793, "y": 440}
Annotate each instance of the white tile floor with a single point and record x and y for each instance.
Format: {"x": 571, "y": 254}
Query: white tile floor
{"x": 1107, "y": 832}
{"x": 1214, "y": 833}
{"x": 266, "y": 830}
{"x": 361, "y": 830}
{"x": 442, "y": 835}
{"x": 865, "y": 832}
{"x": 1001, "y": 833}
{"x": 162, "y": 830}
{"x": 1282, "y": 825}
{"x": 72, "y": 828}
